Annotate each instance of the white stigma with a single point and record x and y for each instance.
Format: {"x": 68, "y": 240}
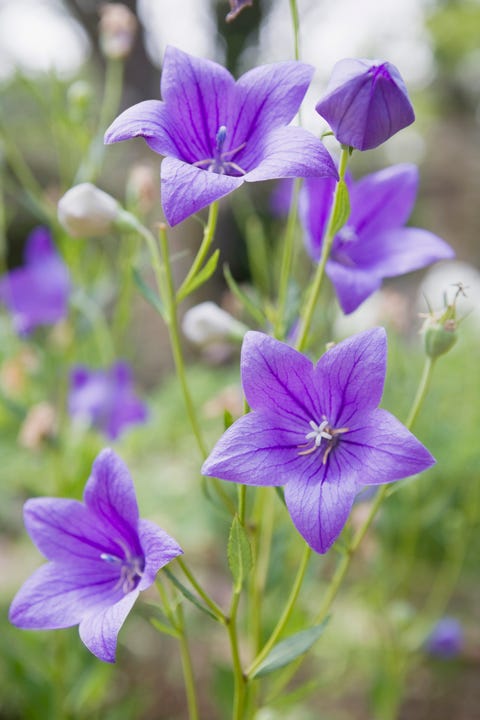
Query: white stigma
{"x": 318, "y": 432}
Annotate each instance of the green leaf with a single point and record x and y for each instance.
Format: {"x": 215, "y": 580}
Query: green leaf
{"x": 342, "y": 207}
{"x": 147, "y": 292}
{"x": 290, "y": 649}
{"x": 200, "y": 278}
{"x": 186, "y": 593}
{"x": 163, "y": 628}
{"x": 239, "y": 553}
{"x": 247, "y": 303}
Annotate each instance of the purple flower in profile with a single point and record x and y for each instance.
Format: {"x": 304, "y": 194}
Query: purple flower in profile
{"x": 317, "y": 430}
{"x": 101, "y": 555}
{"x": 236, "y": 7}
{"x": 37, "y": 293}
{"x": 374, "y": 244}
{"x": 446, "y": 639}
{"x": 217, "y": 133}
{"x": 366, "y": 102}
{"x": 105, "y": 399}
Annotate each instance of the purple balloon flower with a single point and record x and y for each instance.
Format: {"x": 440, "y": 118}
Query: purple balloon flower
{"x": 37, "y": 293}
{"x": 236, "y": 7}
{"x": 446, "y": 639}
{"x": 101, "y": 556}
{"x": 366, "y": 102}
{"x": 374, "y": 244}
{"x": 316, "y": 429}
{"x": 217, "y": 133}
{"x": 105, "y": 399}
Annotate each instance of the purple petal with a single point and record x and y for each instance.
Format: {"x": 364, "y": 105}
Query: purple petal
{"x": 352, "y": 284}
{"x": 265, "y": 98}
{"x": 314, "y": 206}
{"x": 257, "y": 450}
{"x": 383, "y": 200}
{"x": 291, "y": 152}
{"x": 278, "y": 379}
{"x": 148, "y": 119}
{"x": 197, "y": 93}
{"x": 350, "y": 376}
{"x": 39, "y": 247}
{"x": 319, "y": 502}
{"x": 384, "y": 449}
{"x": 58, "y": 595}
{"x": 158, "y": 549}
{"x": 405, "y": 249}
{"x": 110, "y": 494}
{"x": 99, "y": 630}
{"x": 65, "y": 530}
{"x": 187, "y": 189}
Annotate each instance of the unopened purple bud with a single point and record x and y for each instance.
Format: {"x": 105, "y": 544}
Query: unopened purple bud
{"x": 446, "y": 639}
{"x": 366, "y": 103}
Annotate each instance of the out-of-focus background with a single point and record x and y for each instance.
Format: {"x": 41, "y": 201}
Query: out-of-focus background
{"x": 417, "y": 564}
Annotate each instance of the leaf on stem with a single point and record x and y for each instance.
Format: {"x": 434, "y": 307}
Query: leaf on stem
{"x": 247, "y": 303}
{"x": 342, "y": 208}
{"x": 289, "y": 650}
{"x": 147, "y": 292}
{"x": 187, "y": 594}
{"x": 239, "y": 553}
{"x": 200, "y": 278}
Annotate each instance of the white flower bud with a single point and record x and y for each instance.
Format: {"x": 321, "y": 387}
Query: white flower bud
{"x": 118, "y": 26}
{"x": 86, "y": 210}
{"x": 208, "y": 323}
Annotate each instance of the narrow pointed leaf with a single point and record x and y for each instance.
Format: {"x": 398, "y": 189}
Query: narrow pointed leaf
{"x": 239, "y": 553}
{"x": 289, "y": 650}
{"x": 200, "y": 278}
{"x": 187, "y": 594}
{"x": 147, "y": 292}
{"x": 247, "y": 303}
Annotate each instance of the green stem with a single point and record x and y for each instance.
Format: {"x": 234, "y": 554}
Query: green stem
{"x": 286, "y": 266}
{"x": 238, "y": 676}
{"x": 217, "y": 611}
{"x": 208, "y": 235}
{"x": 421, "y": 391}
{"x": 307, "y": 315}
{"x": 285, "y": 617}
{"x": 188, "y": 676}
{"x": 296, "y": 27}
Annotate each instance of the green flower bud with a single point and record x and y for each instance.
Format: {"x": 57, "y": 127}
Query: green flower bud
{"x": 440, "y": 337}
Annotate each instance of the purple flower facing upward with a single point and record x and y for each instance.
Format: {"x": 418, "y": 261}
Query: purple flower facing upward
{"x": 317, "y": 430}
{"x": 105, "y": 399}
{"x": 101, "y": 555}
{"x": 374, "y": 244}
{"x": 217, "y": 133}
{"x": 366, "y": 102}
{"x": 37, "y": 293}
{"x": 236, "y": 7}
{"x": 446, "y": 639}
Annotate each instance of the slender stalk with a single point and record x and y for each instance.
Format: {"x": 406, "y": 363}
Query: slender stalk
{"x": 207, "y": 240}
{"x": 307, "y": 315}
{"x": 287, "y": 259}
{"x": 238, "y": 676}
{"x": 421, "y": 391}
{"x": 188, "y": 676}
{"x": 296, "y": 28}
{"x": 217, "y": 611}
{"x": 285, "y": 617}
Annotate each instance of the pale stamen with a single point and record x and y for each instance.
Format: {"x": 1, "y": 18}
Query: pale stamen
{"x": 218, "y": 163}
{"x": 322, "y": 431}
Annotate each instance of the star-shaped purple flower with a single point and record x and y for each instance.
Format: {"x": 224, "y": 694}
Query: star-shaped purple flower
{"x": 217, "y": 133}
{"x": 366, "y": 102}
{"x": 317, "y": 430}
{"x": 37, "y": 293}
{"x": 374, "y": 244}
{"x": 101, "y": 555}
{"x": 105, "y": 399}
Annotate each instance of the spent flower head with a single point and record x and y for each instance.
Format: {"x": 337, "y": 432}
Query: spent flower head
{"x": 317, "y": 430}
{"x": 105, "y": 399}
{"x": 101, "y": 555}
{"x": 366, "y": 102}
{"x": 37, "y": 293}
{"x": 374, "y": 243}
{"x": 217, "y": 134}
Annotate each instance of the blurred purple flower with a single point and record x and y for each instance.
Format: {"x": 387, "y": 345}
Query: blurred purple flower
{"x": 101, "y": 556}
{"x": 105, "y": 399}
{"x": 317, "y": 430}
{"x": 446, "y": 639}
{"x": 374, "y": 244}
{"x": 236, "y": 7}
{"x": 366, "y": 102}
{"x": 37, "y": 293}
{"x": 217, "y": 133}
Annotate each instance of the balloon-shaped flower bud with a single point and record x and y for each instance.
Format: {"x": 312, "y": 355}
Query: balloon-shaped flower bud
{"x": 440, "y": 328}
{"x": 86, "y": 210}
{"x": 366, "y": 102}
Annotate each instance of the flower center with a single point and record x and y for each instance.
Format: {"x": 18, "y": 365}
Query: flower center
{"x": 322, "y": 433}
{"x": 131, "y": 570}
{"x": 219, "y": 163}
